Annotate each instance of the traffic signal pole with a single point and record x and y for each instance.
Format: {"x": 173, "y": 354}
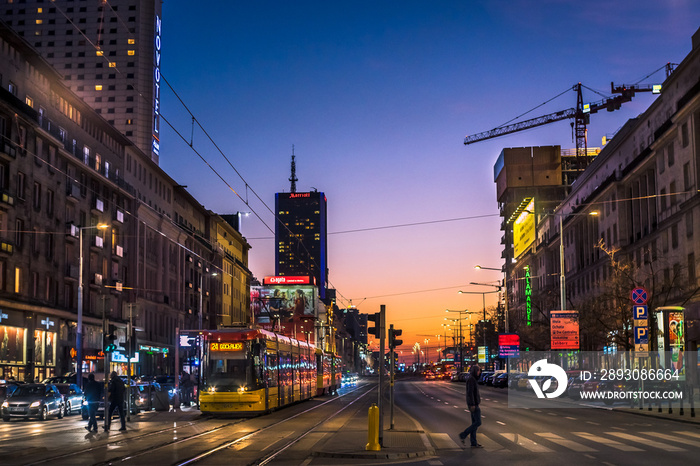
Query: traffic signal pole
{"x": 382, "y": 341}
{"x": 391, "y": 377}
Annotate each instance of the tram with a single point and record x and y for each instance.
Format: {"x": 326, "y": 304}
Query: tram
{"x": 254, "y": 371}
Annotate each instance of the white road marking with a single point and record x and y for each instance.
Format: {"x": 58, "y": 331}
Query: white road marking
{"x": 571, "y": 418}
{"x": 692, "y": 434}
{"x": 606, "y": 441}
{"x": 570, "y": 444}
{"x": 526, "y": 443}
{"x": 673, "y": 438}
{"x": 501, "y": 423}
{"x": 653, "y": 443}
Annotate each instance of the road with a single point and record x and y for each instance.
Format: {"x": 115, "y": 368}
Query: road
{"x": 541, "y": 436}
{"x": 288, "y": 436}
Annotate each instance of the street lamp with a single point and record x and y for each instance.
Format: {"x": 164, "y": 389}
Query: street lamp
{"x": 505, "y": 292}
{"x": 562, "y": 280}
{"x": 483, "y": 296}
{"x": 461, "y": 343}
{"x": 79, "y": 336}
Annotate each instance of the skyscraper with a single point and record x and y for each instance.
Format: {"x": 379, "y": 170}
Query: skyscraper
{"x": 300, "y": 236}
{"x": 108, "y": 53}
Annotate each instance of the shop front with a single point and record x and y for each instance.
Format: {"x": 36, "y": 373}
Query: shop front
{"x": 13, "y": 341}
{"x": 45, "y": 339}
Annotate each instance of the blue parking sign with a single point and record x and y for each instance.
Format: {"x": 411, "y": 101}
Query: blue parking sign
{"x": 640, "y": 312}
{"x": 641, "y": 335}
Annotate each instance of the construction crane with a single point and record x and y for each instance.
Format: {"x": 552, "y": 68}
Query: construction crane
{"x": 580, "y": 115}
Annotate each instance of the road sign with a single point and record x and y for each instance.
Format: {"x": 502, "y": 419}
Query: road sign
{"x": 564, "y": 329}
{"x": 639, "y": 296}
{"x": 641, "y": 336}
{"x": 508, "y": 345}
{"x": 640, "y": 312}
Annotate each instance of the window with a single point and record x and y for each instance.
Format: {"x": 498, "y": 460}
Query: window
{"x": 18, "y": 280}
{"x": 49, "y": 202}
{"x": 98, "y": 162}
{"x": 674, "y": 236}
{"x": 36, "y": 198}
{"x": 35, "y": 240}
{"x": 684, "y": 135}
{"x": 86, "y": 155}
{"x": 671, "y": 155}
{"x": 689, "y": 224}
{"x": 20, "y": 185}
{"x": 19, "y": 233}
{"x": 692, "y": 278}
{"x": 672, "y": 192}
{"x": 686, "y": 176}
{"x": 29, "y": 101}
{"x": 662, "y": 198}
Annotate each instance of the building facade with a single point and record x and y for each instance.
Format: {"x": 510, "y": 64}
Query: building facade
{"x": 108, "y": 54}
{"x": 301, "y": 237}
{"x": 635, "y": 211}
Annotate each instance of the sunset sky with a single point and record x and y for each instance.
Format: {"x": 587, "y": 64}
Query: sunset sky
{"x": 376, "y": 98}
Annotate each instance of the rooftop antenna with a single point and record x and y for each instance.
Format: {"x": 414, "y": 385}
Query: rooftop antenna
{"x": 293, "y": 178}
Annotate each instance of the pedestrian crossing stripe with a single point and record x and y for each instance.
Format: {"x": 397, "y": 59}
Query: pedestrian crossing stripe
{"x": 607, "y": 442}
{"x": 570, "y": 444}
{"x": 676, "y": 439}
{"x": 526, "y": 443}
{"x": 633, "y": 438}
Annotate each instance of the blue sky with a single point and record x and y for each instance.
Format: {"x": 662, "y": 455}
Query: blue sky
{"x": 377, "y": 97}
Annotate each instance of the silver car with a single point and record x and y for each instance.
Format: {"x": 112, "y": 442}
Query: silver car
{"x": 33, "y": 400}
{"x": 72, "y": 397}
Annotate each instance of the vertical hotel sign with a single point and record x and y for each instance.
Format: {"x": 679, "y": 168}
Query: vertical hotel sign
{"x": 156, "y": 89}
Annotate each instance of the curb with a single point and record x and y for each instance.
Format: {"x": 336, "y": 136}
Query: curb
{"x": 374, "y": 455}
{"x": 657, "y": 415}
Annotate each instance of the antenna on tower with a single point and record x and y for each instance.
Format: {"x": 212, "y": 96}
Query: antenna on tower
{"x": 293, "y": 179}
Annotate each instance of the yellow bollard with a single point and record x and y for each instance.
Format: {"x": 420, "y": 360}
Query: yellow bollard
{"x": 373, "y": 431}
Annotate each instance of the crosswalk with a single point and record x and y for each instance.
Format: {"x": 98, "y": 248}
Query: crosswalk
{"x": 580, "y": 442}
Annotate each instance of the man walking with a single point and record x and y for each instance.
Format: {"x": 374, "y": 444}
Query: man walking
{"x": 93, "y": 394}
{"x": 116, "y": 401}
{"x": 473, "y": 401}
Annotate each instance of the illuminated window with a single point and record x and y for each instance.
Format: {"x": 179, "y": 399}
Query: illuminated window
{"x": 131, "y": 41}
{"x": 18, "y": 279}
{"x": 29, "y": 101}
{"x": 39, "y": 10}
{"x": 100, "y": 53}
{"x": 112, "y": 64}
{"x": 98, "y": 87}
{"x": 131, "y": 52}
{"x": 39, "y": 21}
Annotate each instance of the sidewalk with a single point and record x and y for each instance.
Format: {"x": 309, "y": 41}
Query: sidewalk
{"x": 674, "y": 415}
{"x": 406, "y": 440}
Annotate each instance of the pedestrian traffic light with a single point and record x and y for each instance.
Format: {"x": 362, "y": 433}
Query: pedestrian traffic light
{"x": 393, "y": 333}
{"x": 109, "y": 339}
{"x": 376, "y": 330}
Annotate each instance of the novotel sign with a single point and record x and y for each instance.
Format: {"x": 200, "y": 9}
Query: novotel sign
{"x": 291, "y": 280}
{"x": 224, "y": 346}
{"x": 156, "y": 88}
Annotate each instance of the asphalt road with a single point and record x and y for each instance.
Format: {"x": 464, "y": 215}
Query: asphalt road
{"x": 541, "y": 436}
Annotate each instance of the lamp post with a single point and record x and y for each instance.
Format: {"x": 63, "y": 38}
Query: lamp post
{"x": 562, "y": 279}
{"x": 461, "y": 343}
{"x": 505, "y": 291}
{"x": 483, "y": 296}
{"x": 79, "y": 335}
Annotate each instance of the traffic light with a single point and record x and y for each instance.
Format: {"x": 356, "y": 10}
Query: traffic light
{"x": 393, "y": 333}
{"x": 109, "y": 339}
{"x": 376, "y": 330}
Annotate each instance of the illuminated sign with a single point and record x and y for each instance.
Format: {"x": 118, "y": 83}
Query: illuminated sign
{"x": 225, "y": 346}
{"x": 119, "y": 357}
{"x": 287, "y": 280}
{"x": 524, "y": 229}
{"x": 298, "y": 195}
{"x": 528, "y": 296}
{"x": 508, "y": 345}
{"x": 156, "y": 89}
{"x": 564, "y": 330}
{"x": 483, "y": 355}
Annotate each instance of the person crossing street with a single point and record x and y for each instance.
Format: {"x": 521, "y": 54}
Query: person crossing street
{"x": 473, "y": 401}
{"x": 116, "y": 401}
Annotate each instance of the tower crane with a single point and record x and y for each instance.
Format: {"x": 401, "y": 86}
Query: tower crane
{"x": 580, "y": 115}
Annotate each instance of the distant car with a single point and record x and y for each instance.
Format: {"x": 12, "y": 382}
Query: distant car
{"x": 574, "y": 387}
{"x": 501, "y": 380}
{"x": 72, "y": 397}
{"x": 514, "y": 379}
{"x": 429, "y": 376}
{"x": 33, "y": 400}
{"x": 484, "y": 376}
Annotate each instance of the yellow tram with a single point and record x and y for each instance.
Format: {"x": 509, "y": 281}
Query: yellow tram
{"x": 252, "y": 371}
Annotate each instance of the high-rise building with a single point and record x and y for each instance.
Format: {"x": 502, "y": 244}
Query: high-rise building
{"x": 300, "y": 236}
{"x": 108, "y": 54}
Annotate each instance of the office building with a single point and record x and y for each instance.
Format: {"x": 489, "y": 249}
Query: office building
{"x": 108, "y": 54}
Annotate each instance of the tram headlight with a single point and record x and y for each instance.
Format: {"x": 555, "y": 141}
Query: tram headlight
{"x": 241, "y": 389}
{"x": 211, "y": 389}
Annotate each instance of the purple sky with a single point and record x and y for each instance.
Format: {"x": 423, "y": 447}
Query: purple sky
{"x": 377, "y": 97}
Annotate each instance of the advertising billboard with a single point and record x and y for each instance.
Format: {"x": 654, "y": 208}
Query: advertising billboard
{"x": 282, "y": 303}
{"x": 524, "y": 229}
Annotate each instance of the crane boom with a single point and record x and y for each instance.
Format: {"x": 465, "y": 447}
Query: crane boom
{"x": 520, "y": 126}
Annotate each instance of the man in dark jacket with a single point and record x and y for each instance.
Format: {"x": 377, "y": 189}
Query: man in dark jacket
{"x": 473, "y": 401}
{"x": 116, "y": 401}
{"x": 93, "y": 394}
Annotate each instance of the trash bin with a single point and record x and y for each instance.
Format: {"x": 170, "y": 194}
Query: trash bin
{"x": 161, "y": 401}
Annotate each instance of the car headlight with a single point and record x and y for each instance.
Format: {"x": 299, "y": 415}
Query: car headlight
{"x": 5, "y": 404}
{"x": 35, "y": 404}
{"x": 85, "y": 403}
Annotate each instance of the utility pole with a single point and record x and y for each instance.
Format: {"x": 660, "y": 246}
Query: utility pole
{"x": 382, "y": 341}
{"x": 129, "y": 355}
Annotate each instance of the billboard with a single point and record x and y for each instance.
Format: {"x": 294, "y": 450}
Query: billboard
{"x": 508, "y": 345}
{"x": 564, "y": 328}
{"x": 282, "y": 303}
{"x": 524, "y": 229}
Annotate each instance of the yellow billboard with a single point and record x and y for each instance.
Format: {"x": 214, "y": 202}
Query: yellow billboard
{"x": 524, "y": 229}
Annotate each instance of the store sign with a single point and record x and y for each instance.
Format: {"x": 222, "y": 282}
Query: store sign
{"x": 524, "y": 229}
{"x": 156, "y": 88}
{"x": 153, "y": 349}
{"x": 564, "y": 328}
{"x": 291, "y": 280}
{"x": 119, "y": 357}
{"x": 508, "y": 345}
{"x": 226, "y": 346}
{"x": 483, "y": 355}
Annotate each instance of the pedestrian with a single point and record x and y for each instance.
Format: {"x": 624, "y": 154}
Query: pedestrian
{"x": 116, "y": 401}
{"x": 473, "y": 401}
{"x": 93, "y": 394}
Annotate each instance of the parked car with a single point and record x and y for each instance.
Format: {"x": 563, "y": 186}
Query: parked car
{"x": 7, "y": 387}
{"x": 72, "y": 397}
{"x": 33, "y": 400}
{"x": 139, "y": 402}
{"x": 500, "y": 380}
{"x": 514, "y": 379}
{"x": 484, "y": 376}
